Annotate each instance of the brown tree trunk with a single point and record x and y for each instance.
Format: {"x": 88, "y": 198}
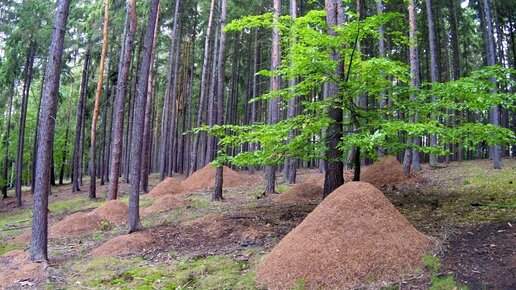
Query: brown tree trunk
{"x": 139, "y": 117}
{"x": 202, "y": 97}
{"x": 65, "y": 147}
{"x": 148, "y": 113}
{"x": 290, "y": 171}
{"x": 273, "y": 118}
{"x": 39, "y": 239}
{"x": 118, "y": 121}
{"x": 491, "y": 60}
{"x": 412, "y": 155}
{"x": 334, "y": 166}
{"x": 96, "y": 108}
{"x": 23, "y": 118}
{"x": 219, "y": 177}
{"x": 81, "y": 108}
{"x": 5, "y": 169}
{"x": 433, "y": 69}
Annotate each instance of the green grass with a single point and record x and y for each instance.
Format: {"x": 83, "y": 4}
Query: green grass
{"x": 445, "y": 283}
{"x": 432, "y": 262}
{"x": 4, "y": 248}
{"x": 218, "y": 272}
{"x": 283, "y": 188}
{"x": 481, "y": 193}
{"x": 198, "y": 201}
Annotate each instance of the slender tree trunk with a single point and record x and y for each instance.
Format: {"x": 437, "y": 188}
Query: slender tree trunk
{"x": 148, "y": 113}
{"x": 270, "y": 171}
{"x": 173, "y": 114}
{"x": 433, "y": 70}
{"x": 212, "y": 112}
{"x": 166, "y": 110}
{"x": 6, "y": 142}
{"x": 65, "y": 147}
{"x": 39, "y": 239}
{"x": 139, "y": 112}
{"x": 290, "y": 170}
{"x": 81, "y": 108}
{"x": 202, "y": 97}
{"x": 219, "y": 176}
{"x": 412, "y": 155}
{"x": 23, "y": 118}
{"x": 96, "y": 108}
{"x": 118, "y": 121}
{"x": 491, "y": 60}
{"x": 334, "y": 166}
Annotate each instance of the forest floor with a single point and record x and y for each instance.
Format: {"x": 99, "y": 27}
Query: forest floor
{"x": 467, "y": 207}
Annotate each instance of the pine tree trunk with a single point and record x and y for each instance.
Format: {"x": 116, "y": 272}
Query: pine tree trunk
{"x": 202, "y": 97}
{"x": 39, "y": 239}
{"x": 5, "y": 169}
{"x": 96, "y": 108}
{"x": 118, "y": 121}
{"x": 65, "y": 147}
{"x": 334, "y": 167}
{"x": 433, "y": 70}
{"x": 290, "y": 171}
{"x": 173, "y": 114}
{"x": 139, "y": 117}
{"x": 219, "y": 177}
{"x": 164, "y": 142}
{"x": 23, "y": 119}
{"x": 412, "y": 158}
{"x": 148, "y": 114}
{"x": 81, "y": 108}
{"x": 273, "y": 108}
{"x": 491, "y": 60}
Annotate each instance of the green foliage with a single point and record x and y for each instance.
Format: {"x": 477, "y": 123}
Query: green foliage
{"x": 307, "y": 48}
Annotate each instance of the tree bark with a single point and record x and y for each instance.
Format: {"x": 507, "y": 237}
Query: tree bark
{"x": 290, "y": 171}
{"x": 202, "y": 97}
{"x": 334, "y": 166}
{"x": 123, "y": 73}
{"x": 412, "y": 155}
{"x": 433, "y": 69}
{"x": 219, "y": 176}
{"x": 139, "y": 117}
{"x": 65, "y": 147}
{"x": 23, "y": 119}
{"x": 273, "y": 118}
{"x": 39, "y": 239}
{"x": 5, "y": 169}
{"x": 81, "y": 107}
{"x": 491, "y": 60}
{"x": 148, "y": 113}
{"x": 166, "y": 110}
{"x": 96, "y": 108}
